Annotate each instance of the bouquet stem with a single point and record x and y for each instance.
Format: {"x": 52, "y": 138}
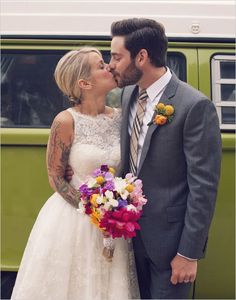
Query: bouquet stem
{"x": 109, "y": 247}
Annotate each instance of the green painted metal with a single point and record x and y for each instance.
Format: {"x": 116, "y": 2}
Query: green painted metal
{"x": 24, "y": 136}
{"x": 24, "y": 189}
{"x": 216, "y": 275}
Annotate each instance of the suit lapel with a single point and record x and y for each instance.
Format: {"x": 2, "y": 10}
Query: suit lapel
{"x": 128, "y": 97}
{"x": 165, "y": 98}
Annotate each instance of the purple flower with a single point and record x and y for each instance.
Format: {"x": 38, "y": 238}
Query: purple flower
{"x": 84, "y": 190}
{"x": 104, "y": 168}
{"x": 97, "y": 172}
{"x": 109, "y": 185}
{"x": 109, "y": 176}
{"x": 122, "y": 203}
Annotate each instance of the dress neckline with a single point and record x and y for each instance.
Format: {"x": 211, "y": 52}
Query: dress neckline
{"x": 99, "y": 116}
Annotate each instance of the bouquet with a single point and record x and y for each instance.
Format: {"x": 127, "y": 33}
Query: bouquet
{"x": 113, "y": 204}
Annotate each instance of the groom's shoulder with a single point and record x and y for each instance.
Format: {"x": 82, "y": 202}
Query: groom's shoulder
{"x": 189, "y": 92}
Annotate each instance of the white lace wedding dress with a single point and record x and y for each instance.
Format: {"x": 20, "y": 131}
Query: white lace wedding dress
{"x": 63, "y": 257}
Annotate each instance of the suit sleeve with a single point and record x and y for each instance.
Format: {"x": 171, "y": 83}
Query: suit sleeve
{"x": 202, "y": 148}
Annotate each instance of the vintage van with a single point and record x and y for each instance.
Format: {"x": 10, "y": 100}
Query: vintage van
{"x": 35, "y": 34}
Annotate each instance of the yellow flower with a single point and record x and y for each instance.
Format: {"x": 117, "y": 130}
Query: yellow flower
{"x": 169, "y": 109}
{"x": 93, "y": 200}
{"x": 112, "y": 170}
{"x": 160, "y": 120}
{"x": 95, "y": 217}
{"x": 129, "y": 188}
{"x": 100, "y": 180}
{"x": 160, "y": 106}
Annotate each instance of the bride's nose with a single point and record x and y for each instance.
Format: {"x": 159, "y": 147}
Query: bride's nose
{"x": 108, "y": 67}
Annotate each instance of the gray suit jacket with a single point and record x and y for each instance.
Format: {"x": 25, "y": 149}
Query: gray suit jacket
{"x": 180, "y": 169}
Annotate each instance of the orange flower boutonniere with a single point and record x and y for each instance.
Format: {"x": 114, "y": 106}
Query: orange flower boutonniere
{"x": 163, "y": 114}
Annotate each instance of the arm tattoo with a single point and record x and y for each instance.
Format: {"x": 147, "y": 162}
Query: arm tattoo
{"x": 56, "y": 168}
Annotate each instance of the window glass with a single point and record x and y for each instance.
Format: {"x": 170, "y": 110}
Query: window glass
{"x": 227, "y": 69}
{"x": 29, "y": 94}
{"x": 30, "y": 97}
{"x": 223, "y": 89}
{"x": 177, "y": 63}
{"x": 228, "y": 92}
{"x": 228, "y": 115}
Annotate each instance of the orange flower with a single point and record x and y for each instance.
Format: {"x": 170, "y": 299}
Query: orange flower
{"x": 95, "y": 217}
{"x": 93, "y": 200}
{"x": 160, "y": 120}
{"x": 163, "y": 114}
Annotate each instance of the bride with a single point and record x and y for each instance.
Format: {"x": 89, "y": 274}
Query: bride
{"x": 63, "y": 257}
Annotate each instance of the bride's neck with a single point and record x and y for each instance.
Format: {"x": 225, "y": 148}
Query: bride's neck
{"x": 92, "y": 106}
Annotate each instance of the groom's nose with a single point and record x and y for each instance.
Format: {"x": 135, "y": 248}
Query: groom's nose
{"x": 111, "y": 65}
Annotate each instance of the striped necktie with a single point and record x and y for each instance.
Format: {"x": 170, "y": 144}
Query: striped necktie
{"x": 138, "y": 121}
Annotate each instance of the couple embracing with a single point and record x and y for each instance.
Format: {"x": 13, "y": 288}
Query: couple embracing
{"x": 176, "y": 154}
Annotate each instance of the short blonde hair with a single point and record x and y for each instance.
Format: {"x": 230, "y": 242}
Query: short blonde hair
{"x": 73, "y": 66}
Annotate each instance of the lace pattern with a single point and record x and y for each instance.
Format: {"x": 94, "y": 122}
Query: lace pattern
{"x": 63, "y": 257}
{"x": 102, "y": 131}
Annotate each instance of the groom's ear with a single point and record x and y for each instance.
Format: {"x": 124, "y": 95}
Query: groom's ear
{"x": 142, "y": 57}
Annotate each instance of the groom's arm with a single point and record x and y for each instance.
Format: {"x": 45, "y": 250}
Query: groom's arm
{"x": 202, "y": 147}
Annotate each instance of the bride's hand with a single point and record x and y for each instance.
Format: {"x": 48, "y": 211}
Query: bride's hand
{"x": 68, "y": 173}
{"x": 106, "y": 234}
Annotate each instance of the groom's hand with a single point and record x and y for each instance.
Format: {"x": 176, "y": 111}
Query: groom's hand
{"x": 68, "y": 173}
{"x": 183, "y": 270}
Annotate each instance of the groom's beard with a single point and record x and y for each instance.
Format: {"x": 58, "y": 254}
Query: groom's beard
{"x": 130, "y": 76}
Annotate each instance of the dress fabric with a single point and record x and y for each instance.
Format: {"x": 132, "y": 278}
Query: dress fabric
{"x": 63, "y": 257}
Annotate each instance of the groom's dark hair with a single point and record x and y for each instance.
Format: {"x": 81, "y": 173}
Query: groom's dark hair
{"x": 140, "y": 33}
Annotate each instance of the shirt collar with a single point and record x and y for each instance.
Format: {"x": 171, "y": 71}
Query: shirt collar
{"x": 154, "y": 89}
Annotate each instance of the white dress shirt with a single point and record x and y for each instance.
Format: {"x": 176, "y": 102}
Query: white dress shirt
{"x": 154, "y": 92}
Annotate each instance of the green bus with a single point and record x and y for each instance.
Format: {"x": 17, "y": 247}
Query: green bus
{"x": 201, "y": 55}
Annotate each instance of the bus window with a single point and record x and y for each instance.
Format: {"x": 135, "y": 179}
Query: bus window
{"x": 177, "y": 63}
{"x": 30, "y": 97}
{"x": 223, "y": 89}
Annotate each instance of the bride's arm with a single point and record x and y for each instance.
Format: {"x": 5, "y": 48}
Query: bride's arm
{"x": 58, "y": 150}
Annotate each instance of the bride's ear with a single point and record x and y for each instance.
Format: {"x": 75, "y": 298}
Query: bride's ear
{"x": 84, "y": 84}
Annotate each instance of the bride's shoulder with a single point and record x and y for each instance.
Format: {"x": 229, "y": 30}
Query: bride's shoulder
{"x": 117, "y": 111}
{"x": 64, "y": 118}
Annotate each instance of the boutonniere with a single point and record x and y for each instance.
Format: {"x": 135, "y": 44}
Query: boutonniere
{"x": 163, "y": 114}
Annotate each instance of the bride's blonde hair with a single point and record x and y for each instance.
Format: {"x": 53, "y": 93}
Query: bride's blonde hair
{"x": 73, "y": 66}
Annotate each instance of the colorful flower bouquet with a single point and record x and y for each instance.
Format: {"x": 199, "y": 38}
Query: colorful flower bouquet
{"x": 113, "y": 204}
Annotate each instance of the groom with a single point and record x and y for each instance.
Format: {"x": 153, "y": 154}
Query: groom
{"x": 178, "y": 161}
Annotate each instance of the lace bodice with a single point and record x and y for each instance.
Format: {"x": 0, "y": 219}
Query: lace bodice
{"x": 96, "y": 142}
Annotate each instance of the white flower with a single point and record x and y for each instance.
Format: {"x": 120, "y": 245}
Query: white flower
{"x": 100, "y": 200}
{"x": 120, "y": 185}
{"x": 81, "y": 208}
{"x": 111, "y": 203}
{"x": 109, "y": 195}
{"x": 131, "y": 207}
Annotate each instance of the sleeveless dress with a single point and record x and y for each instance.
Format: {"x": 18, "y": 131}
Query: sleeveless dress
{"x": 63, "y": 257}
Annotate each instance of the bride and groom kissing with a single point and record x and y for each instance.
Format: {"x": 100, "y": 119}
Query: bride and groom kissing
{"x": 167, "y": 134}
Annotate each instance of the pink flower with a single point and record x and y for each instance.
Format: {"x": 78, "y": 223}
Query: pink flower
{"x": 121, "y": 223}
